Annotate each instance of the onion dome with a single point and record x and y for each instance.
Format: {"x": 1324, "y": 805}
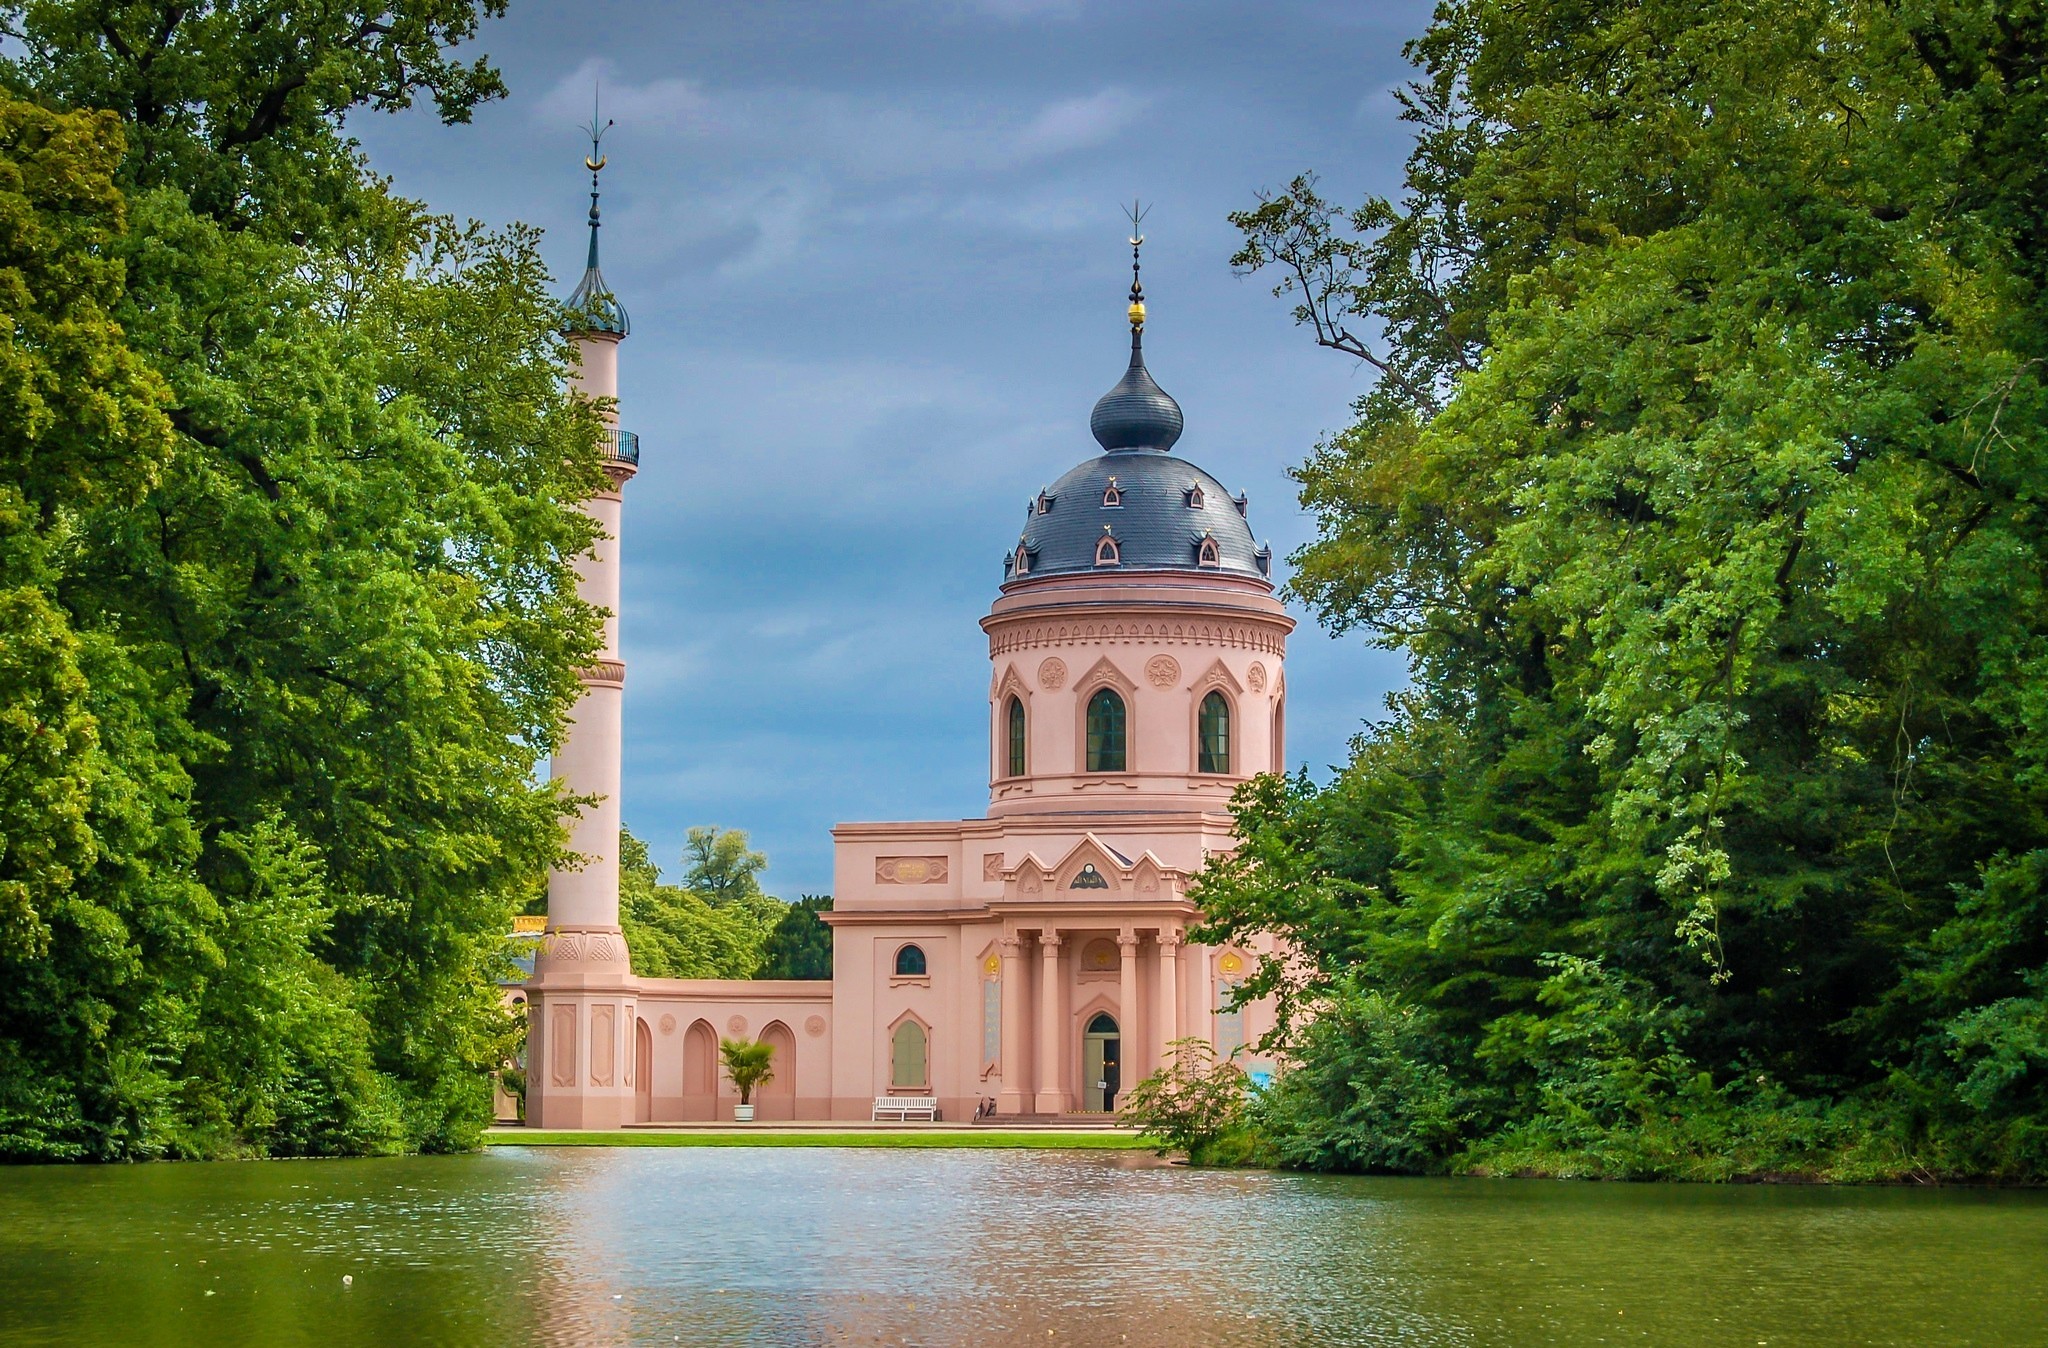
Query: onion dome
{"x": 592, "y": 306}
{"x": 1137, "y": 413}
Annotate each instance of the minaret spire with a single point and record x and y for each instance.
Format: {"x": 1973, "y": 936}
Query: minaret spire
{"x": 594, "y": 305}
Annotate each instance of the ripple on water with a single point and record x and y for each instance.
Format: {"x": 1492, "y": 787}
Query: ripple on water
{"x": 825, "y": 1246}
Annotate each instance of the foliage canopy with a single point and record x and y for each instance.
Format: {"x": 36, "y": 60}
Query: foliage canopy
{"x": 1701, "y": 486}
{"x": 288, "y": 525}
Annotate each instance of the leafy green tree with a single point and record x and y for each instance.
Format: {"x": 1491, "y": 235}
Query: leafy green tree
{"x": 675, "y": 932}
{"x": 1696, "y": 486}
{"x": 721, "y": 867}
{"x": 800, "y": 946}
{"x": 1192, "y": 1103}
{"x": 305, "y": 623}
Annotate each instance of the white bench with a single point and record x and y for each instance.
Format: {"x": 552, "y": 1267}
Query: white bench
{"x": 904, "y": 1108}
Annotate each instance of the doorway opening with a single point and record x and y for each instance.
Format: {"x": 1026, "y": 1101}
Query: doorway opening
{"x": 1101, "y": 1065}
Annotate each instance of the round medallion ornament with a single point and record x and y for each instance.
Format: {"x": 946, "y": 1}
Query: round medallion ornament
{"x": 1256, "y": 677}
{"x": 1230, "y": 963}
{"x": 736, "y": 1025}
{"x": 815, "y": 1026}
{"x": 1052, "y": 673}
{"x": 668, "y": 1024}
{"x": 1163, "y": 671}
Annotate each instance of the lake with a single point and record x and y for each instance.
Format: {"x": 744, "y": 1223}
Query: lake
{"x": 830, "y": 1246}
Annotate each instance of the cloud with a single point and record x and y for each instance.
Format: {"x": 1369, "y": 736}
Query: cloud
{"x": 1079, "y": 123}
{"x": 873, "y": 137}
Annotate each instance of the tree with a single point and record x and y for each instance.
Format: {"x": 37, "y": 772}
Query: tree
{"x": 800, "y": 946}
{"x": 299, "y": 586}
{"x": 721, "y": 867}
{"x": 675, "y": 933}
{"x": 1192, "y": 1103}
{"x": 750, "y": 1063}
{"x": 1695, "y": 486}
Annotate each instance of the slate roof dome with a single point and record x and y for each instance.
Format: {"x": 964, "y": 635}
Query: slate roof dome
{"x": 1158, "y": 512}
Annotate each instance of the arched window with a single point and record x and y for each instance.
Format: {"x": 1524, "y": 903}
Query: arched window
{"x": 1195, "y": 497}
{"x": 1214, "y": 733}
{"x": 1020, "y": 564}
{"x": 910, "y": 962}
{"x": 1016, "y": 737}
{"x": 1113, "y": 495}
{"x": 1207, "y": 553}
{"x": 907, "y": 1055}
{"x": 1279, "y": 734}
{"x": 1107, "y": 553}
{"x": 1105, "y": 731}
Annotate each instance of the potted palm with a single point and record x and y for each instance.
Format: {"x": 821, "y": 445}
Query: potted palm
{"x": 748, "y": 1063}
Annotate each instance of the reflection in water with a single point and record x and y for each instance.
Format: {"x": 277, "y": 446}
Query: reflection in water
{"x": 802, "y": 1246}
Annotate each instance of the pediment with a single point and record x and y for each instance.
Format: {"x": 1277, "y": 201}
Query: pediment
{"x": 1104, "y": 671}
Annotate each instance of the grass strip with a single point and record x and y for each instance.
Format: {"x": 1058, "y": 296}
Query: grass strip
{"x": 524, "y": 1137}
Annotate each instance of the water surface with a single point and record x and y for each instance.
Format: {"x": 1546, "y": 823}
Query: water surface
{"x": 822, "y": 1246}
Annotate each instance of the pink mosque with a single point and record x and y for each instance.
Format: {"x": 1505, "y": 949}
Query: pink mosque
{"x": 1031, "y": 963}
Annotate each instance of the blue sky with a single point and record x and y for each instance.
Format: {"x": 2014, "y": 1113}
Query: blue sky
{"x": 875, "y": 262}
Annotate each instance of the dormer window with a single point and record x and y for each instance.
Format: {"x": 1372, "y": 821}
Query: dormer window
{"x": 1195, "y": 497}
{"x": 1243, "y": 504}
{"x": 1112, "y": 496}
{"x": 1107, "y": 553}
{"x": 1264, "y": 558}
{"x": 1207, "y": 553}
{"x": 1020, "y": 561}
{"x": 1043, "y": 505}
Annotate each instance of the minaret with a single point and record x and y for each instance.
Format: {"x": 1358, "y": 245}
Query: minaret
{"x": 582, "y": 999}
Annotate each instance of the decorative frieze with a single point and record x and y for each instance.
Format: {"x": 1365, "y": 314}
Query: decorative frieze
{"x": 1265, "y": 638}
{"x": 910, "y": 870}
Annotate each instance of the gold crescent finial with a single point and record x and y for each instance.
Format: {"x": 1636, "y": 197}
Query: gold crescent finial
{"x": 595, "y": 164}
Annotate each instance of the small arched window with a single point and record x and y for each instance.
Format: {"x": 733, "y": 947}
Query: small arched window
{"x": 1214, "y": 731}
{"x": 1207, "y": 553}
{"x": 1107, "y": 553}
{"x": 1112, "y": 495}
{"x": 907, "y": 1055}
{"x": 910, "y": 962}
{"x": 1020, "y": 565}
{"x": 1195, "y": 497}
{"x": 1105, "y": 731}
{"x": 1015, "y": 719}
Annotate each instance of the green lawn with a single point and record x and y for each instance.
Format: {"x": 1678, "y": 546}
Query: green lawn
{"x": 1050, "y": 1141}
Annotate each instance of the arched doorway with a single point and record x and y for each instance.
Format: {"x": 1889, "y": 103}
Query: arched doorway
{"x": 643, "y": 1072}
{"x": 776, "y": 1097}
{"x": 700, "y": 1072}
{"x": 1101, "y": 1065}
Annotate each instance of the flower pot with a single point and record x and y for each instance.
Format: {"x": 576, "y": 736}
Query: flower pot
{"x": 742, "y": 1113}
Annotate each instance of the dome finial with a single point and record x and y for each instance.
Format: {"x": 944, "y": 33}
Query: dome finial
{"x": 594, "y": 307}
{"x": 1137, "y": 413}
{"x": 1136, "y": 313}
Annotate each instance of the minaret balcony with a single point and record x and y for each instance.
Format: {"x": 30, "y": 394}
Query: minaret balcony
{"x": 622, "y": 447}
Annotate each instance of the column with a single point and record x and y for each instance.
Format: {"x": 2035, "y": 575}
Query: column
{"x": 1129, "y": 1045}
{"x": 1169, "y": 989}
{"x": 1014, "y": 1098}
{"x": 1052, "y": 1026}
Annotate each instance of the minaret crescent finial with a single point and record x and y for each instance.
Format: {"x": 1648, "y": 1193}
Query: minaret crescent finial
{"x": 1136, "y": 213}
